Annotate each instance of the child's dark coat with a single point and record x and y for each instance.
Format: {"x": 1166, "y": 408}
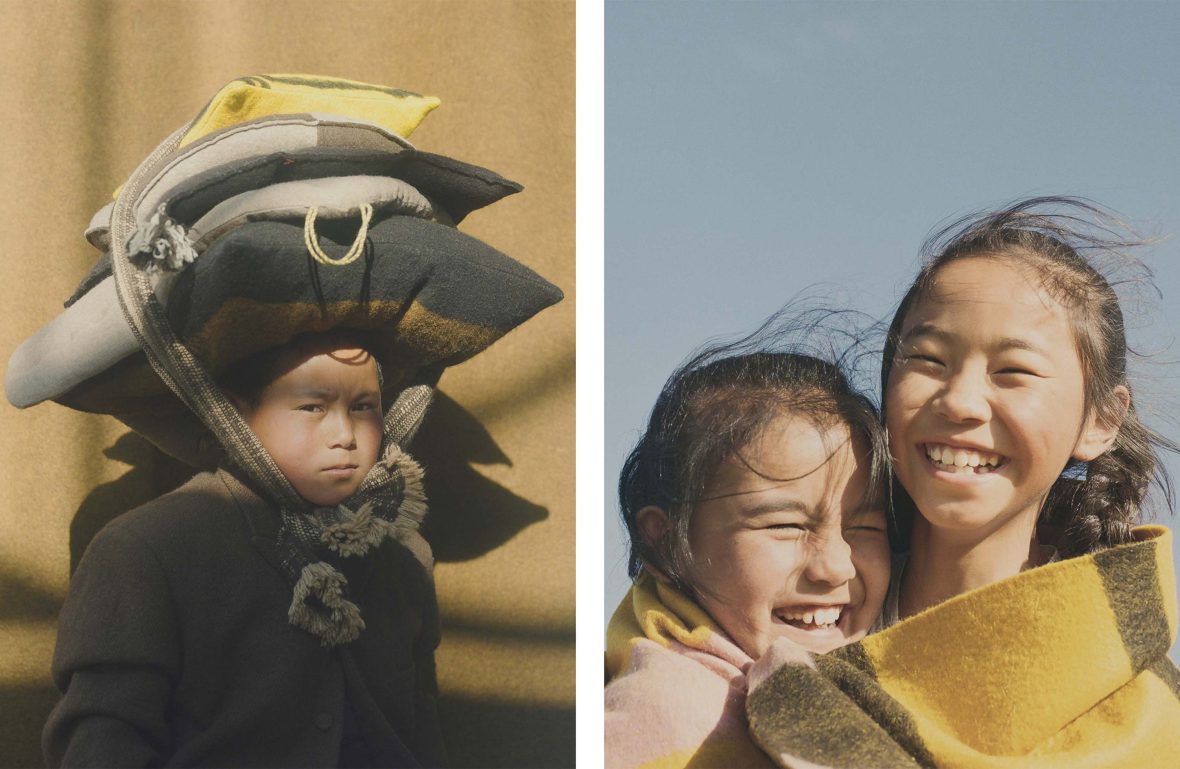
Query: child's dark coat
{"x": 174, "y": 647}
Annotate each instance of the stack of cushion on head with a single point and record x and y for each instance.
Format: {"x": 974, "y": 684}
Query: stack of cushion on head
{"x": 292, "y": 204}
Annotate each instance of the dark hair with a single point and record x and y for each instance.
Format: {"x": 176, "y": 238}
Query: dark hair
{"x": 249, "y": 377}
{"x": 1066, "y": 241}
{"x": 712, "y": 407}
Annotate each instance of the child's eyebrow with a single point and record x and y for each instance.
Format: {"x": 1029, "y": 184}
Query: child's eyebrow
{"x": 929, "y": 330}
{"x": 315, "y": 392}
{"x": 778, "y": 506}
{"x": 923, "y": 330}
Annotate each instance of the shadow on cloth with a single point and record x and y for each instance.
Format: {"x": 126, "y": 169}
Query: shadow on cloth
{"x": 469, "y": 514}
{"x": 26, "y": 708}
{"x": 24, "y": 599}
{"x": 153, "y": 473}
{"x": 547, "y": 742}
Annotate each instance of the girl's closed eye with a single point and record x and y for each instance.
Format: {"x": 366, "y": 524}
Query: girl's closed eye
{"x": 780, "y": 524}
{"x": 785, "y": 526}
{"x": 917, "y": 359}
{"x": 865, "y": 530}
{"x": 867, "y": 523}
{"x": 1018, "y": 370}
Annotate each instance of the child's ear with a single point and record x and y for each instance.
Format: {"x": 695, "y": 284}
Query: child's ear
{"x": 1100, "y": 431}
{"x": 654, "y": 525}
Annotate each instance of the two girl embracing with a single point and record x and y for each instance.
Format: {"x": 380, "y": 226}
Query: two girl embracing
{"x": 1026, "y": 618}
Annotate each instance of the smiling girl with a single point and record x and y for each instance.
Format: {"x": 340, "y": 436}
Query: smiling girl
{"x": 1011, "y": 423}
{"x": 1035, "y": 616}
{"x": 755, "y": 508}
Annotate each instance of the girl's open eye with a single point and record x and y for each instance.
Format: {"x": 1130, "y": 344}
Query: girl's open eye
{"x": 311, "y": 408}
{"x": 364, "y": 406}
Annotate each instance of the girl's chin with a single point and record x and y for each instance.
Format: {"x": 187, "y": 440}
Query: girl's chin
{"x": 957, "y": 516}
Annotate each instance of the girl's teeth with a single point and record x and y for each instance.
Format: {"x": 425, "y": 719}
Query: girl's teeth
{"x": 962, "y": 460}
{"x": 817, "y": 617}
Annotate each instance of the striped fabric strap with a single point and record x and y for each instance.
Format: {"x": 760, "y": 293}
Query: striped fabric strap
{"x": 188, "y": 379}
{"x": 171, "y": 360}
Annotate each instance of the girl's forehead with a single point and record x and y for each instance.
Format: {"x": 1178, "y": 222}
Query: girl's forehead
{"x": 790, "y": 447}
{"x": 998, "y": 283}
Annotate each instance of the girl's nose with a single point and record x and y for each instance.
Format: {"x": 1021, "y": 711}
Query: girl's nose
{"x": 831, "y": 561}
{"x": 963, "y": 399}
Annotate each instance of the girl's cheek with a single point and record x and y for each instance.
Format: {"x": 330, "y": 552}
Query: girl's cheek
{"x": 910, "y": 391}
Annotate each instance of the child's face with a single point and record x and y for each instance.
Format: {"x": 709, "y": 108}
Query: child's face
{"x": 321, "y": 422}
{"x": 800, "y": 559}
{"x": 984, "y": 402}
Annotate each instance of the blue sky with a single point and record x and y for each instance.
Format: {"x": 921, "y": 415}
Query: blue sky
{"x": 756, "y": 149}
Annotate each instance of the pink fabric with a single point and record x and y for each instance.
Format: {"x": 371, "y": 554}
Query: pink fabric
{"x": 680, "y": 694}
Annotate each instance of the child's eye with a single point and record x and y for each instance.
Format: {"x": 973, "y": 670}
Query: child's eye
{"x": 363, "y": 407}
{"x": 920, "y": 358}
{"x": 313, "y": 408}
{"x": 786, "y": 527}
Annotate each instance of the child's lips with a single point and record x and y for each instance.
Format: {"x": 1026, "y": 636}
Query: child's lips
{"x": 340, "y": 471}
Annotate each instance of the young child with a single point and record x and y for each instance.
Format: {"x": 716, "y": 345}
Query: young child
{"x": 755, "y": 509}
{"x": 281, "y": 610}
{"x": 164, "y": 660}
{"x": 1011, "y": 422}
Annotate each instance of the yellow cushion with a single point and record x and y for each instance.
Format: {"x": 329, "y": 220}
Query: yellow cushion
{"x": 256, "y": 96}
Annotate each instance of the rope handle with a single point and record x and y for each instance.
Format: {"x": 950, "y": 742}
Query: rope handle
{"x": 312, "y": 241}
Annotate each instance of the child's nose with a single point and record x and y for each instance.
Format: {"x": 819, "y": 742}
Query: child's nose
{"x": 831, "y": 561}
{"x": 963, "y": 398}
{"x": 341, "y": 433}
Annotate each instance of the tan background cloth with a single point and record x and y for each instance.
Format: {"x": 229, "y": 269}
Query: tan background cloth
{"x": 89, "y": 89}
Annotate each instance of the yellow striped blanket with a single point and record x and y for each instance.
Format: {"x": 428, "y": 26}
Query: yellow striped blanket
{"x": 676, "y": 692}
{"x": 1061, "y": 666}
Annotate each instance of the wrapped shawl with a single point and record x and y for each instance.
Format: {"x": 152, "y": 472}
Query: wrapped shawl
{"x": 677, "y": 686}
{"x": 1061, "y": 666}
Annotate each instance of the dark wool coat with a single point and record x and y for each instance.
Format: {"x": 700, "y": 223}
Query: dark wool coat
{"x": 174, "y": 648}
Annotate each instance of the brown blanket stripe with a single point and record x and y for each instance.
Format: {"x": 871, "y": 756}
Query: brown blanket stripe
{"x": 860, "y": 683}
{"x": 1078, "y": 714}
{"x": 782, "y": 718}
{"x": 1133, "y": 591}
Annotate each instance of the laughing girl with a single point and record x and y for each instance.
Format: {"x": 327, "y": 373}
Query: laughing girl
{"x": 1011, "y": 421}
{"x": 755, "y": 508}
